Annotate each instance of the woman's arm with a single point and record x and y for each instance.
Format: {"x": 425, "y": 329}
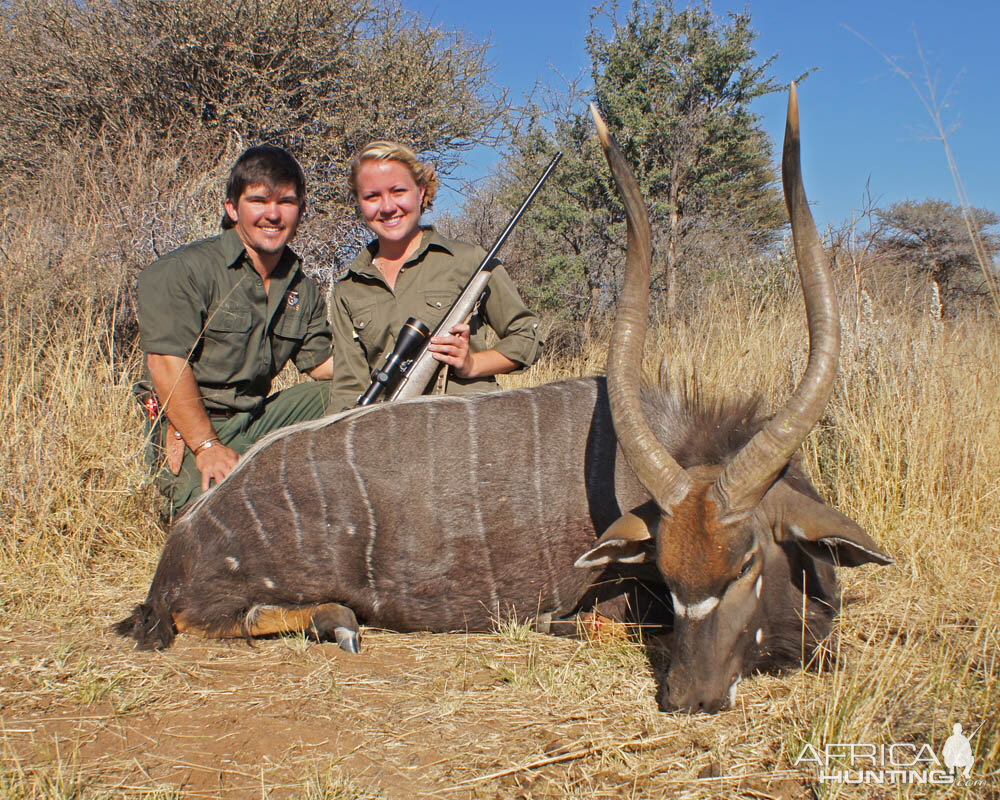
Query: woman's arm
{"x": 515, "y": 324}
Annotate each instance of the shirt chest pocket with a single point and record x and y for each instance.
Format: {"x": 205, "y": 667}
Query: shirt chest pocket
{"x": 292, "y": 325}
{"x": 436, "y": 305}
{"x": 225, "y": 340}
{"x": 365, "y": 318}
{"x": 289, "y": 332}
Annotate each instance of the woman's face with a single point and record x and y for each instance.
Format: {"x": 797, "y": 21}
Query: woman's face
{"x": 389, "y": 199}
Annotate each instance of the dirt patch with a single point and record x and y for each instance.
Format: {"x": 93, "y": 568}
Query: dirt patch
{"x": 518, "y": 715}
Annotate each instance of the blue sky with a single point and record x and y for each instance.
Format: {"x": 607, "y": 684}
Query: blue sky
{"x": 860, "y": 122}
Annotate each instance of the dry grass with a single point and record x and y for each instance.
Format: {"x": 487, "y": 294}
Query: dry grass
{"x": 910, "y": 448}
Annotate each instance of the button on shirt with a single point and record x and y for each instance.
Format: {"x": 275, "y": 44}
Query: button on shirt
{"x": 206, "y": 303}
{"x": 366, "y": 314}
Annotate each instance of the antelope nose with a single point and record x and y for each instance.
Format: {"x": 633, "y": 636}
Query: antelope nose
{"x": 690, "y": 700}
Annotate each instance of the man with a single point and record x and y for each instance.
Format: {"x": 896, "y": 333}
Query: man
{"x": 220, "y": 318}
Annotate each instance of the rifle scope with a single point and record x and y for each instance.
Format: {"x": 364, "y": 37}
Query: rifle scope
{"x": 384, "y": 379}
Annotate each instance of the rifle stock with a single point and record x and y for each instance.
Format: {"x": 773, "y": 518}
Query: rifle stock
{"x": 424, "y": 367}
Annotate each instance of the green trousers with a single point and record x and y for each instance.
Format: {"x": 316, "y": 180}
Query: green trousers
{"x": 298, "y": 403}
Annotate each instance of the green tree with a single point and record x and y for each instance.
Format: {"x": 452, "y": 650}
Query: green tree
{"x": 932, "y": 237}
{"x": 675, "y": 87}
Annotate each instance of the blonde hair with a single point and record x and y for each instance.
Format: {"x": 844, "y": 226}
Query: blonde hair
{"x": 423, "y": 172}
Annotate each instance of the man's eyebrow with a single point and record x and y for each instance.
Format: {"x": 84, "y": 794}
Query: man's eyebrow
{"x": 264, "y": 195}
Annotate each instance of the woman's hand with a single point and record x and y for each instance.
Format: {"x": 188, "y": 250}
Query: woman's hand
{"x": 453, "y": 349}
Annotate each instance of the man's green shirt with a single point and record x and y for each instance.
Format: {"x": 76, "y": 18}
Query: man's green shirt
{"x": 206, "y": 303}
{"x": 367, "y": 315}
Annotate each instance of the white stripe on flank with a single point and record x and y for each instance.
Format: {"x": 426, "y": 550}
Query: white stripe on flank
{"x": 370, "y": 549}
{"x": 219, "y": 524}
{"x": 323, "y": 422}
{"x": 320, "y": 493}
{"x": 536, "y": 450}
{"x": 261, "y": 533}
{"x": 473, "y": 481}
{"x": 296, "y": 518}
{"x": 695, "y": 611}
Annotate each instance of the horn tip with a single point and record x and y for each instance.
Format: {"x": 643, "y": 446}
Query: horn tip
{"x": 792, "y": 123}
{"x": 599, "y": 123}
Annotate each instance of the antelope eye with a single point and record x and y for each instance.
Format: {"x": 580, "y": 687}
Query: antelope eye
{"x": 746, "y": 567}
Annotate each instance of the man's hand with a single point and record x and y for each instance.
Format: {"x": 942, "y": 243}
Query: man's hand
{"x": 215, "y": 463}
{"x": 175, "y": 386}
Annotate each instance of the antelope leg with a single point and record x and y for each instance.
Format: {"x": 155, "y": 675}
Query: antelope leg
{"x": 325, "y": 622}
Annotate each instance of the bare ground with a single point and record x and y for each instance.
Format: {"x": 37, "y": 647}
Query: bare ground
{"x": 515, "y": 715}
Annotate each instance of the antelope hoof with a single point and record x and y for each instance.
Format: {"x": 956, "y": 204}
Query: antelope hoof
{"x": 332, "y": 621}
{"x": 348, "y": 640}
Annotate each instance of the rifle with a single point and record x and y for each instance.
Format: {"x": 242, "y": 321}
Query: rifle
{"x": 410, "y": 367}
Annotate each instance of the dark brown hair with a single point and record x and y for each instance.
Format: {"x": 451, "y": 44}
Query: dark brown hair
{"x": 264, "y": 164}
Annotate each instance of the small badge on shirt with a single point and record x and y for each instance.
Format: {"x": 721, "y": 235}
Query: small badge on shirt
{"x": 292, "y": 298}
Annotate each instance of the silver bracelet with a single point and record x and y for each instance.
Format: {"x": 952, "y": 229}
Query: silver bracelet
{"x": 207, "y": 444}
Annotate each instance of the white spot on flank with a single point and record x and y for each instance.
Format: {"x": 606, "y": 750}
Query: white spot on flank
{"x": 695, "y": 611}
{"x": 232, "y": 563}
{"x": 759, "y": 636}
{"x": 758, "y": 585}
{"x": 268, "y": 583}
{"x": 732, "y": 690}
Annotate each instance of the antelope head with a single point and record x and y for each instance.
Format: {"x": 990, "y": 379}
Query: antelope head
{"x": 730, "y": 540}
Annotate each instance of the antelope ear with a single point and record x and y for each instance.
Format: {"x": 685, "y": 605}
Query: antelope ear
{"x": 629, "y": 539}
{"x": 821, "y": 531}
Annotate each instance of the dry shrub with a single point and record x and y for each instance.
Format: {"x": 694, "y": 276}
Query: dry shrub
{"x": 74, "y": 491}
{"x": 309, "y": 75}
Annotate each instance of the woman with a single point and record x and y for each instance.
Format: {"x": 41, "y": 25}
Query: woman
{"x": 412, "y": 271}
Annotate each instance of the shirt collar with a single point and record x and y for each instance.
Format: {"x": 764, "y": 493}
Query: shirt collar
{"x": 235, "y": 256}
{"x": 364, "y": 263}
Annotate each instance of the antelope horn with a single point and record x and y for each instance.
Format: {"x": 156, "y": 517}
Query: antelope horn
{"x": 750, "y": 474}
{"x": 655, "y": 468}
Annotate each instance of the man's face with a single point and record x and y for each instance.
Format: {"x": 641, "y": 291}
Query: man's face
{"x": 266, "y": 218}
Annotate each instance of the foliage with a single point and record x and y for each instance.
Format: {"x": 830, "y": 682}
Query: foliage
{"x": 932, "y": 236}
{"x": 675, "y": 88}
{"x": 190, "y": 77}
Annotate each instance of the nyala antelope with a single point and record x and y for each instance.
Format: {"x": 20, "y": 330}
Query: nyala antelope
{"x": 442, "y": 512}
